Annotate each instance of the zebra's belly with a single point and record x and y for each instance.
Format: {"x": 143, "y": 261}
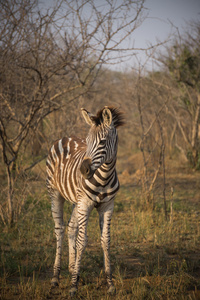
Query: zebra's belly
{"x": 68, "y": 190}
{"x": 73, "y": 189}
{"x": 68, "y": 194}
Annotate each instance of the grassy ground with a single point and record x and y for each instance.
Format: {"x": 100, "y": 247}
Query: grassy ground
{"x": 152, "y": 258}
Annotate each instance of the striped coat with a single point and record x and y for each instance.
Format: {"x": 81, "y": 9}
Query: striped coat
{"x": 83, "y": 172}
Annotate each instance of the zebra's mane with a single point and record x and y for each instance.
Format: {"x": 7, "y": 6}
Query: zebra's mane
{"x": 117, "y": 117}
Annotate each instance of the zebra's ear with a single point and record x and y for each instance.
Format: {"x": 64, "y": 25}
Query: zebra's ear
{"x": 87, "y": 116}
{"x": 107, "y": 116}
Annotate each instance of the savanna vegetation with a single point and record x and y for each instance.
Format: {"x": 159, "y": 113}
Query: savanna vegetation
{"x": 53, "y": 61}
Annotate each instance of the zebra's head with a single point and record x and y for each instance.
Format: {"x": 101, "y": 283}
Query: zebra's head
{"x": 101, "y": 140}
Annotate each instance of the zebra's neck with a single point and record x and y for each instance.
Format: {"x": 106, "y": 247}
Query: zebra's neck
{"x": 106, "y": 170}
{"x": 106, "y": 167}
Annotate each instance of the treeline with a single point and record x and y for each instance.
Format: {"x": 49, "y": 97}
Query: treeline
{"x": 53, "y": 61}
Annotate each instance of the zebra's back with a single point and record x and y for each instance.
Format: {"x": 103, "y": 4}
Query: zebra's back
{"x": 64, "y": 159}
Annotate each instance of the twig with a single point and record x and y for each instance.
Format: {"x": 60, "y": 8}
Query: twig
{"x": 171, "y": 205}
{"x": 35, "y": 163}
{"x": 2, "y": 215}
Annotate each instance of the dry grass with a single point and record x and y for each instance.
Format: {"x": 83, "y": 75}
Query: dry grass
{"x": 152, "y": 258}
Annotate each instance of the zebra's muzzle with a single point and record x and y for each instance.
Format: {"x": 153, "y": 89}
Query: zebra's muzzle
{"x": 86, "y": 169}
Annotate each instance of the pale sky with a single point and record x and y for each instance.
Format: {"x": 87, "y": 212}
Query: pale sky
{"x": 157, "y": 25}
{"x": 161, "y": 13}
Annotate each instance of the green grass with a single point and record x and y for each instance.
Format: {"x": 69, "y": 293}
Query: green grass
{"x": 151, "y": 258}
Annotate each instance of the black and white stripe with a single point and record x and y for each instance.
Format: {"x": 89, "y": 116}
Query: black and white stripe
{"x": 83, "y": 172}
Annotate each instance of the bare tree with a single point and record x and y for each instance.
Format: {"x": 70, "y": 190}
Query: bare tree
{"x": 151, "y": 102}
{"x": 48, "y": 58}
{"x": 183, "y": 63}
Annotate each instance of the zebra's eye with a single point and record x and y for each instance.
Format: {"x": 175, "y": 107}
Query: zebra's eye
{"x": 102, "y": 142}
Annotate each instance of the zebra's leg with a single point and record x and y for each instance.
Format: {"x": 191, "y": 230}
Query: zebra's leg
{"x": 84, "y": 209}
{"x": 105, "y": 214}
{"x": 57, "y": 213}
{"x": 72, "y": 234}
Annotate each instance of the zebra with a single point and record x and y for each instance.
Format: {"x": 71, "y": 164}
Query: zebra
{"x": 83, "y": 171}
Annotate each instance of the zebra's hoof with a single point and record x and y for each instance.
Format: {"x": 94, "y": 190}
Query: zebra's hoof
{"x": 112, "y": 290}
{"x": 73, "y": 291}
{"x": 54, "y": 282}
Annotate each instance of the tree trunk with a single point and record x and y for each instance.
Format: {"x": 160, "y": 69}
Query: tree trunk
{"x": 195, "y": 137}
{"x": 10, "y": 196}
